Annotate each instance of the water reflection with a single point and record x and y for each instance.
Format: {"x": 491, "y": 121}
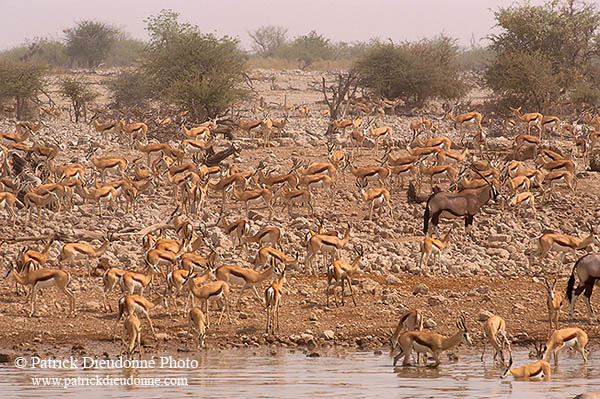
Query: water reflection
{"x": 273, "y": 373}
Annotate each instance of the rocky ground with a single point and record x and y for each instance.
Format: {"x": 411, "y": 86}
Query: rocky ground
{"x": 479, "y": 276}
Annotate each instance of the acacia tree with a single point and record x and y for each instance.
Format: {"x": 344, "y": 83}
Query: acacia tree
{"x": 78, "y": 93}
{"x": 543, "y": 52}
{"x": 268, "y": 39}
{"x": 197, "y": 72}
{"x": 22, "y": 82}
{"x": 413, "y": 72}
{"x": 89, "y": 42}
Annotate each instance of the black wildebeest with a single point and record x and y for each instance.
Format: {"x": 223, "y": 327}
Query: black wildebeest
{"x": 588, "y": 271}
{"x": 465, "y": 203}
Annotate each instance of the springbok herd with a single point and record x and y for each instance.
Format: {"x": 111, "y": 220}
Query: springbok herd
{"x": 189, "y": 172}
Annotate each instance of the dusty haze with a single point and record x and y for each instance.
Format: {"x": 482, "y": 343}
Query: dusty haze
{"x": 348, "y": 20}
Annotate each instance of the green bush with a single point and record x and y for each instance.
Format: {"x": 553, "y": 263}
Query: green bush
{"x": 414, "y": 72}
{"x": 23, "y": 83}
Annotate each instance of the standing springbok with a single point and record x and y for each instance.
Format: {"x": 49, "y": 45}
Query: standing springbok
{"x": 411, "y": 320}
{"x": 465, "y": 203}
{"x": 427, "y": 341}
{"x": 432, "y": 246}
{"x": 342, "y": 271}
{"x": 325, "y": 243}
{"x": 554, "y": 302}
{"x": 562, "y": 243}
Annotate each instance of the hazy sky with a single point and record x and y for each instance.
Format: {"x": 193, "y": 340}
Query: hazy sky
{"x": 338, "y": 20}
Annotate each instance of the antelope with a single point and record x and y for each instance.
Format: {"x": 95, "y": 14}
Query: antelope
{"x": 316, "y": 168}
{"x": 566, "y": 338}
{"x": 183, "y": 229}
{"x": 400, "y": 171}
{"x": 426, "y": 341}
{"x": 335, "y": 156}
{"x": 377, "y": 133}
{"x": 157, "y": 257}
{"x": 343, "y": 125}
{"x": 43, "y": 278}
{"x": 460, "y": 120}
{"x": 235, "y": 230}
{"x": 523, "y": 198}
{"x": 551, "y": 166}
{"x": 434, "y": 170}
{"x": 133, "y": 330}
{"x": 324, "y": 181}
{"x": 193, "y": 133}
{"x": 588, "y": 271}
{"x": 247, "y": 126}
{"x": 465, "y": 203}
{"x": 32, "y": 127}
{"x": 226, "y": 184}
{"x": 271, "y": 235}
{"x": 554, "y": 301}
{"x": 266, "y": 253}
{"x": 534, "y": 175}
{"x": 108, "y": 163}
{"x": 270, "y": 180}
{"x": 160, "y": 149}
{"x": 377, "y": 197}
{"x": 106, "y": 127}
{"x": 364, "y": 175}
{"x": 291, "y": 197}
{"x": 582, "y": 147}
{"x": 280, "y": 125}
{"x": 106, "y": 194}
{"x": 519, "y": 182}
{"x": 325, "y": 243}
{"x": 342, "y": 271}
{"x": 176, "y": 279}
{"x": 442, "y": 142}
{"x": 399, "y": 161}
{"x": 553, "y": 122}
{"x": 560, "y": 175}
{"x": 44, "y": 151}
{"x": 192, "y": 146}
{"x": 357, "y": 135}
{"x": 39, "y": 258}
{"x": 218, "y": 289}
{"x": 551, "y": 155}
{"x": 445, "y": 156}
{"x": 33, "y": 200}
{"x": 134, "y": 128}
{"x": 110, "y": 278}
{"x": 411, "y": 320}
{"x": 70, "y": 171}
{"x": 432, "y": 246}
{"x": 523, "y": 139}
{"x": 530, "y": 118}
{"x": 252, "y": 196}
{"x": 76, "y": 250}
{"x": 421, "y": 151}
{"x": 495, "y": 334}
{"x": 562, "y": 243}
{"x": 537, "y": 370}
{"x": 272, "y": 300}
{"x": 197, "y": 325}
{"x": 248, "y": 278}
{"x": 14, "y": 137}
{"x": 7, "y": 201}
{"x": 131, "y": 304}
{"x": 135, "y": 283}
{"x": 192, "y": 261}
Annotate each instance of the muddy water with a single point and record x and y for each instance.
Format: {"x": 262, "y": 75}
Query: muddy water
{"x": 285, "y": 373}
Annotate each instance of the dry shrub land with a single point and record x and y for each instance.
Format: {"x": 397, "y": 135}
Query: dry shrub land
{"x": 488, "y": 273}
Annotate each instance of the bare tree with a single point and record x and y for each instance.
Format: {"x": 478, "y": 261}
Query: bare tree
{"x": 267, "y": 39}
{"x": 341, "y": 93}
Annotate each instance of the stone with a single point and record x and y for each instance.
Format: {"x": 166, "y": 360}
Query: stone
{"x": 328, "y": 334}
{"x": 391, "y": 279}
{"x": 436, "y": 300}
{"x": 484, "y": 315}
{"x": 429, "y": 323}
{"x": 421, "y": 289}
